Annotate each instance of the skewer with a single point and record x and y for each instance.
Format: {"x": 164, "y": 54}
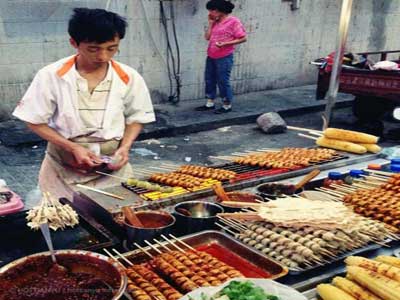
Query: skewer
{"x": 145, "y": 172}
{"x": 162, "y": 169}
{"x": 123, "y": 257}
{"x": 226, "y": 229}
{"x": 109, "y": 175}
{"x": 231, "y": 224}
{"x": 180, "y": 241}
{"x": 169, "y": 164}
{"x": 242, "y": 204}
{"x": 343, "y": 188}
{"x": 316, "y": 133}
{"x": 307, "y": 136}
{"x": 229, "y": 158}
{"x": 143, "y": 250}
{"x": 100, "y": 191}
{"x": 377, "y": 177}
{"x": 303, "y": 129}
{"x": 387, "y": 174}
{"x": 153, "y": 247}
{"x": 241, "y": 223}
{"x": 269, "y": 150}
{"x": 367, "y": 182}
{"x": 333, "y": 197}
{"x": 162, "y": 245}
{"x": 348, "y": 186}
{"x": 174, "y": 244}
{"x": 363, "y": 186}
{"x": 329, "y": 191}
{"x": 130, "y": 263}
{"x": 113, "y": 257}
{"x": 242, "y": 216}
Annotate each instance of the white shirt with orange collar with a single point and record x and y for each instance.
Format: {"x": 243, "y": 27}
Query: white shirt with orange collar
{"x": 52, "y": 99}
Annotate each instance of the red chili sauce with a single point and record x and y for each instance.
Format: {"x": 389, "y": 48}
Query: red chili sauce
{"x": 154, "y": 220}
{"x": 83, "y": 278}
{"x": 225, "y": 255}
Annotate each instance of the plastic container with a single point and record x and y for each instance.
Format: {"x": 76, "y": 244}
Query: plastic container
{"x": 374, "y": 167}
{"x": 352, "y": 175}
{"x": 395, "y": 168}
{"x": 333, "y": 178}
{"x": 10, "y": 202}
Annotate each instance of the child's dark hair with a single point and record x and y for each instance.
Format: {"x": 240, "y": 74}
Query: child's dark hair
{"x": 95, "y": 25}
{"x": 223, "y": 6}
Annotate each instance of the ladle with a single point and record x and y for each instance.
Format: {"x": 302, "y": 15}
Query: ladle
{"x": 131, "y": 217}
{"x": 219, "y": 190}
{"x": 306, "y": 179}
{"x": 46, "y": 233}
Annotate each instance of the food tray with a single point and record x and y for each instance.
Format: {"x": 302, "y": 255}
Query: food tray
{"x": 235, "y": 253}
{"x": 311, "y": 294}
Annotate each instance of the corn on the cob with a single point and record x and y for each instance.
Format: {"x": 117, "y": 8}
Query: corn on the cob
{"x": 378, "y": 267}
{"x": 350, "y": 136}
{"x": 381, "y": 286}
{"x": 330, "y": 292}
{"x": 353, "y": 289}
{"x": 373, "y": 148}
{"x": 390, "y": 260}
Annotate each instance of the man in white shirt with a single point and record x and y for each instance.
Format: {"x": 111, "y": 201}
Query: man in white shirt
{"x": 87, "y": 106}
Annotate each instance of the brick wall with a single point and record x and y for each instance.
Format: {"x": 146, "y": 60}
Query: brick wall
{"x": 280, "y": 46}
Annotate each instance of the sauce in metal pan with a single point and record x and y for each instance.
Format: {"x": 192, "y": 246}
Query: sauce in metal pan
{"x": 225, "y": 255}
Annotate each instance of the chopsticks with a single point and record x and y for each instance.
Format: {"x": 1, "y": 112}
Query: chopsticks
{"x": 100, "y": 191}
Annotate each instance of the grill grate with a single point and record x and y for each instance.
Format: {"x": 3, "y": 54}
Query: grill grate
{"x": 135, "y": 189}
{"x": 246, "y": 172}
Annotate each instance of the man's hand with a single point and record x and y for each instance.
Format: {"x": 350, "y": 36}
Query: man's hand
{"x": 121, "y": 157}
{"x": 86, "y": 157}
{"x": 220, "y": 44}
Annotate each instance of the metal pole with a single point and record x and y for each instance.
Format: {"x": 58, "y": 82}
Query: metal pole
{"x": 345, "y": 15}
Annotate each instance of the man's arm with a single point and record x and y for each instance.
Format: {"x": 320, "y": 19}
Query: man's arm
{"x": 81, "y": 154}
{"x": 122, "y": 154}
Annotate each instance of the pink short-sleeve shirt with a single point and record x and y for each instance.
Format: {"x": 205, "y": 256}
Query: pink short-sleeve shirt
{"x": 229, "y": 29}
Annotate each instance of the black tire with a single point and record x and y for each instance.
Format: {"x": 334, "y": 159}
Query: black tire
{"x": 369, "y": 108}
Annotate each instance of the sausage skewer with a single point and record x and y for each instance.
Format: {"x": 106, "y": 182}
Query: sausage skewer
{"x": 134, "y": 290}
{"x": 153, "y": 279}
{"x": 178, "y": 277}
{"x": 208, "y": 259}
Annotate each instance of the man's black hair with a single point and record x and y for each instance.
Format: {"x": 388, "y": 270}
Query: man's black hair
{"x": 223, "y": 6}
{"x": 95, "y": 25}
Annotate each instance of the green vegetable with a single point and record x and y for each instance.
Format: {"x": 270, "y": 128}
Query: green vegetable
{"x": 240, "y": 290}
{"x": 245, "y": 290}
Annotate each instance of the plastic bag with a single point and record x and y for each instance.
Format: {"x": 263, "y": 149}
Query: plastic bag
{"x": 391, "y": 152}
{"x": 271, "y": 287}
{"x": 386, "y": 65}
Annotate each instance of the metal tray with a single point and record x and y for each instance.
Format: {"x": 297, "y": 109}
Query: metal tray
{"x": 221, "y": 239}
{"x": 311, "y": 294}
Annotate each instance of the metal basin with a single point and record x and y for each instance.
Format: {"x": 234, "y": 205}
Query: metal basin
{"x": 21, "y": 271}
{"x": 202, "y": 216}
{"x": 154, "y": 223}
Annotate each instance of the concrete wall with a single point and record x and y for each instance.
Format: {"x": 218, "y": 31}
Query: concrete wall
{"x": 281, "y": 41}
